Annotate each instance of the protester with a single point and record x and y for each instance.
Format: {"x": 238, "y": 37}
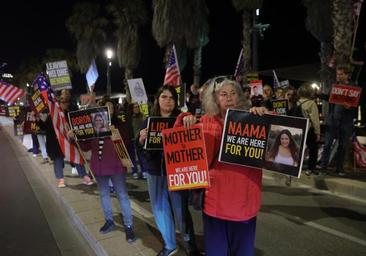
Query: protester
{"x": 291, "y": 96}
{"x": 106, "y": 166}
{"x": 267, "y": 97}
{"x": 232, "y": 201}
{"x": 163, "y": 202}
{"x": 54, "y": 150}
{"x": 137, "y": 119}
{"x": 310, "y": 110}
{"x": 279, "y": 93}
{"x": 194, "y": 103}
{"x": 338, "y": 124}
{"x": 284, "y": 150}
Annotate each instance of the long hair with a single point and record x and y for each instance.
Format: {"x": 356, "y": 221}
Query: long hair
{"x": 95, "y": 118}
{"x": 292, "y": 146}
{"x": 209, "y": 99}
{"x": 155, "y": 110}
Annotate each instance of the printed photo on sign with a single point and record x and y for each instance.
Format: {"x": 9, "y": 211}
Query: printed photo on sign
{"x": 155, "y": 126}
{"x": 283, "y": 145}
{"x": 254, "y": 141}
{"x": 90, "y": 123}
{"x": 185, "y": 158}
{"x": 345, "y": 95}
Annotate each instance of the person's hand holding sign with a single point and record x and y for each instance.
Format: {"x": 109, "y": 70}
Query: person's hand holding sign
{"x": 189, "y": 120}
{"x": 143, "y": 136}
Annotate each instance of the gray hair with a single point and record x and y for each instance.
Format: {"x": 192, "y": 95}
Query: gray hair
{"x": 209, "y": 100}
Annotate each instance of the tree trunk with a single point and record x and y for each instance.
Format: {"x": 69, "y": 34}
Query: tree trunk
{"x": 247, "y": 49}
{"x": 326, "y": 73}
{"x": 342, "y": 21}
{"x": 197, "y": 61}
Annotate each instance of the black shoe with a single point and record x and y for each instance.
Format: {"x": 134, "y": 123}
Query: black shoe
{"x": 166, "y": 252}
{"x": 107, "y": 227}
{"x": 130, "y": 236}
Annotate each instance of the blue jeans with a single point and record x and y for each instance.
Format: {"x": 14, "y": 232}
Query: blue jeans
{"x": 119, "y": 183}
{"x": 225, "y": 237}
{"x": 58, "y": 167}
{"x": 343, "y": 132}
{"x": 164, "y": 204}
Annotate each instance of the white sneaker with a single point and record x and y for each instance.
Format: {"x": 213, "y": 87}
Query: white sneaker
{"x": 135, "y": 175}
{"x": 74, "y": 172}
{"x": 144, "y": 175}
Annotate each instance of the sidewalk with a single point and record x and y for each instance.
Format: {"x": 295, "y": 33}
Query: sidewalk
{"x": 82, "y": 204}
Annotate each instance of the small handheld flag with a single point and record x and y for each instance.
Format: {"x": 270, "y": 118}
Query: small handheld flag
{"x": 172, "y": 74}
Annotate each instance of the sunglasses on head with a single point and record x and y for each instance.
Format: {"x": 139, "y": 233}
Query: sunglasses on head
{"x": 219, "y": 79}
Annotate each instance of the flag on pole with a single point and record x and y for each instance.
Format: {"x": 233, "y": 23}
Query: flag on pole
{"x": 92, "y": 74}
{"x": 60, "y": 124}
{"x": 276, "y": 82}
{"x": 10, "y": 93}
{"x": 239, "y": 69}
{"x": 172, "y": 74}
{"x": 356, "y": 8}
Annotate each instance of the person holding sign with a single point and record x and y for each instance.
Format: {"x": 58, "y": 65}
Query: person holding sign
{"x": 106, "y": 166}
{"x": 284, "y": 150}
{"x": 232, "y": 202}
{"x": 338, "y": 124}
{"x": 163, "y": 202}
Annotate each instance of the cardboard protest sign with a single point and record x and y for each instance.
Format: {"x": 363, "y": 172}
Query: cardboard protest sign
{"x": 120, "y": 148}
{"x": 345, "y": 95}
{"x": 185, "y": 158}
{"x": 138, "y": 94}
{"x": 58, "y": 74}
{"x": 90, "y": 123}
{"x": 3, "y": 111}
{"x": 155, "y": 125}
{"x": 18, "y": 128}
{"x": 272, "y": 142}
{"x": 280, "y": 106}
{"x": 30, "y": 124}
{"x": 38, "y": 102}
{"x": 13, "y": 111}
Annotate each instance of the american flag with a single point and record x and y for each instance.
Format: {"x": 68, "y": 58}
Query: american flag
{"x": 239, "y": 69}
{"x": 10, "y": 93}
{"x": 356, "y": 7}
{"x": 172, "y": 74}
{"x": 59, "y": 122}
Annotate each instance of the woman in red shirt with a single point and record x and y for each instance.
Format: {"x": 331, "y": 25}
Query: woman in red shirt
{"x": 232, "y": 201}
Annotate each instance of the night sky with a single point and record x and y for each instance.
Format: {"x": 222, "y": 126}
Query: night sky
{"x": 30, "y": 27}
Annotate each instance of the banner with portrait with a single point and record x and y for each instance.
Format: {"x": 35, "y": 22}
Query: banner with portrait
{"x": 272, "y": 142}
{"x": 155, "y": 125}
{"x": 185, "y": 158}
{"x": 90, "y": 123}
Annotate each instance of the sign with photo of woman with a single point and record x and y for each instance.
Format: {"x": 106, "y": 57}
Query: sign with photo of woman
{"x": 272, "y": 142}
{"x": 90, "y": 123}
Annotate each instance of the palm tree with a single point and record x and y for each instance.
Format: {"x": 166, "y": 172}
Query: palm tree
{"x": 87, "y": 27}
{"x": 128, "y": 16}
{"x": 319, "y": 23}
{"x": 342, "y": 20}
{"x": 168, "y": 27}
{"x": 196, "y": 33}
{"x": 247, "y": 7}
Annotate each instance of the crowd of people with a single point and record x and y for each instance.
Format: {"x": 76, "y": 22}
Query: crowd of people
{"x": 232, "y": 201}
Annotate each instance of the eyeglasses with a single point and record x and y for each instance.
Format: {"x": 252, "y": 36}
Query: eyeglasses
{"x": 219, "y": 79}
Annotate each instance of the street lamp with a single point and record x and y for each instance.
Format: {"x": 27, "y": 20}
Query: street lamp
{"x": 109, "y": 54}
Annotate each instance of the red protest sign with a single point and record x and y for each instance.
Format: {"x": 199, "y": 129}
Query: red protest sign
{"x": 345, "y": 95}
{"x": 185, "y": 158}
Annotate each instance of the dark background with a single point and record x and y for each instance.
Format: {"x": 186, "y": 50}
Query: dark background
{"x": 30, "y": 27}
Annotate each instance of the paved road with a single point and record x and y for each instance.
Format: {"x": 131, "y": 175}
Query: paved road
{"x": 31, "y": 220}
